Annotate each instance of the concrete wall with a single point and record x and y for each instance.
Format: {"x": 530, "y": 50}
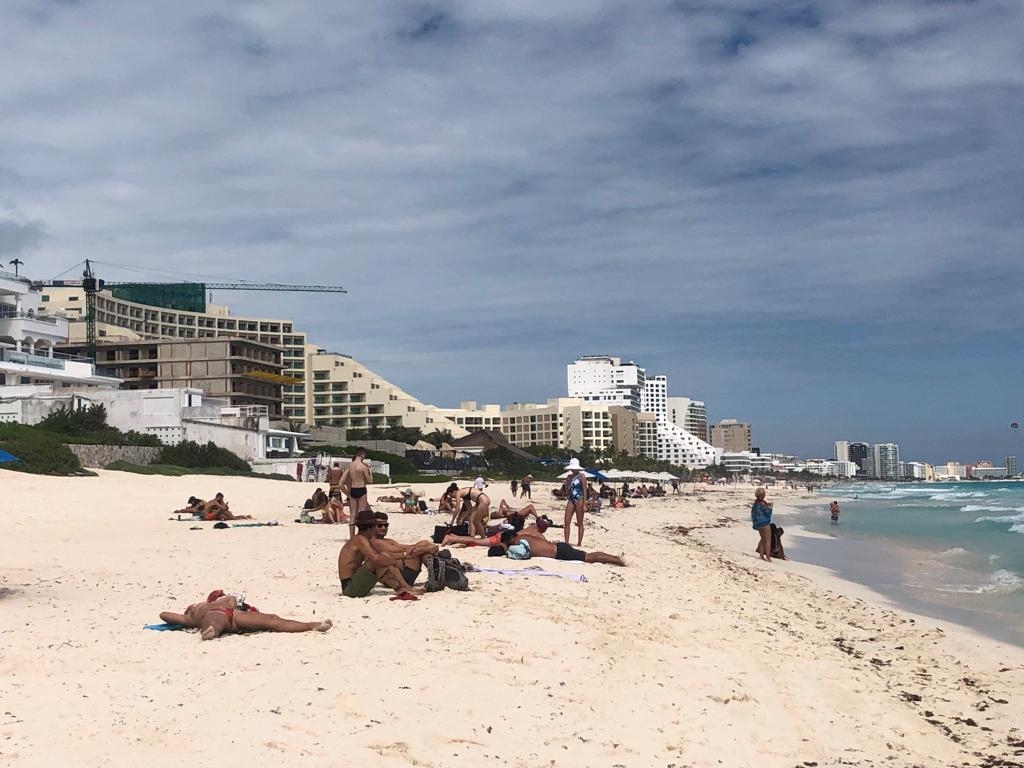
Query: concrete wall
{"x": 102, "y": 455}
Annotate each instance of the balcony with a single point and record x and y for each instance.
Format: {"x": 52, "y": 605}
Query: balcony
{"x": 25, "y": 325}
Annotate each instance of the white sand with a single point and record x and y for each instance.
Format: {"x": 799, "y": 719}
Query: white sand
{"x": 696, "y": 654}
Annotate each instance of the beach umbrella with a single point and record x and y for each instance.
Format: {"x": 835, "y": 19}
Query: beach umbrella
{"x": 587, "y": 472}
{"x": 666, "y": 476}
{"x": 596, "y": 474}
{"x": 6, "y": 457}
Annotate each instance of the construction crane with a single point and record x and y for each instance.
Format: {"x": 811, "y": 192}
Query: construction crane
{"x": 91, "y": 285}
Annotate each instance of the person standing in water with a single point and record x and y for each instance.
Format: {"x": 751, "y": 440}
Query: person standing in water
{"x": 833, "y": 510}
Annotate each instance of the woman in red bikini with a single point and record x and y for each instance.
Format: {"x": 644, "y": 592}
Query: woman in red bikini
{"x": 221, "y": 614}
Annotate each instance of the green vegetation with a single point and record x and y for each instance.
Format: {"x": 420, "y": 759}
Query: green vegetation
{"x": 39, "y": 452}
{"x": 407, "y": 435}
{"x": 210, "y": 456}
{"x": 88, "y": 426}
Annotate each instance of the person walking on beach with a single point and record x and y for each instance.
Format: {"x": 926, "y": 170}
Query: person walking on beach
{"x": 761, "y": 519}
{"x": 353, "y": 482}
{"x": 833, "y": 509}
{"x": 514, "y": 486}
{"x": 524, "y": 487}
{"x": 576, "y": 494}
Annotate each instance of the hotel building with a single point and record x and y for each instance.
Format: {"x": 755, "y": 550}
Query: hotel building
{"x": 731, "y": 436}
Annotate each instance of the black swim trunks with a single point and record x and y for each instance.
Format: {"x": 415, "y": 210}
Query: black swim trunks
{"x": 410, "y": 575}
{"x": 564, "y": 552}
{"x": 357, "y": 493}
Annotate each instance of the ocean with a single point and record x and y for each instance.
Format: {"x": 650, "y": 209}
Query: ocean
{"x": 950, "y": 550}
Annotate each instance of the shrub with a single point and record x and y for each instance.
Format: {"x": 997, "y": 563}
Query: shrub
{"x": 89, "y": 426}
{"x": 194, "y": 455}
{"x": 38, "y": 451}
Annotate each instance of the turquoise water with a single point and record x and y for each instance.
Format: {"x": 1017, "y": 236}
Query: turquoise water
{"x": 951, "y": 549}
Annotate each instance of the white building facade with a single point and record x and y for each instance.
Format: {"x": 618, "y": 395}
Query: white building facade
{"x": 606, "y": 380}
{"x": 28, "y": 334}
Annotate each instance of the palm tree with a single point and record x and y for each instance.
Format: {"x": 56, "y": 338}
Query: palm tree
{"x": 16, "y": 262}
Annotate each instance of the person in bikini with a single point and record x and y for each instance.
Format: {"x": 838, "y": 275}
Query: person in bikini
{"x": 556, "y": 550}
{"x": 480, "y": 505}
{"x": 353, "y": 482}
{"x": 222, "y": 614}
{"x": 361, "y": 565}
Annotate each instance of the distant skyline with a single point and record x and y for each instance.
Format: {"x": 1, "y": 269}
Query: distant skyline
{"x": 807, "y": 214}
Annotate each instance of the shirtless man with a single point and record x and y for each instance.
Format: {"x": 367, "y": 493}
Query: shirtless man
{"x": 556, "y": 550}
{"x": 419, "y": 553}
{"x": 218, "y": 510}
{"x": 353, "y": 482}
{"x": 361, "y": 566}
{"x": 223, "y": 615}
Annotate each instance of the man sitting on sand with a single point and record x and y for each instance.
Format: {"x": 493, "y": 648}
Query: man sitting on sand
{"x": 223, "y": 615}
{"x": 217, "y": 509}
{"x": 556, "y": 550}
{"x": 419, "y": 553}
{"x": 361, "y": 566}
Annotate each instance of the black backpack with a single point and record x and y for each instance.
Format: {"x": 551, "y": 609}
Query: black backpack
{"x": 443, "y": 571}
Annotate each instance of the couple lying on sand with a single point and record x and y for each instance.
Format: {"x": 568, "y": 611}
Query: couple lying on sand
{"x": 215, "y": 509}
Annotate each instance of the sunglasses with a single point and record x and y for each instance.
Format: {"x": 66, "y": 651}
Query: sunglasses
{"x": 383, "y": 525}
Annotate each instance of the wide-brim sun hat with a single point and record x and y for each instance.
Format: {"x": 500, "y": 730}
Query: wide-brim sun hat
{"x": 574, "y": 464}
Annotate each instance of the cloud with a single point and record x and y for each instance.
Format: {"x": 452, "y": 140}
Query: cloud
{"x": 688, "y": 179}
{"x": 18, "y": 237}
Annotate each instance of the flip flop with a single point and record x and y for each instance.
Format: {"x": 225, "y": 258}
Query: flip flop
{"x": 405, "y": 596}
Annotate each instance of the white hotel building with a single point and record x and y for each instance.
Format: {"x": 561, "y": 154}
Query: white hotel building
{"x": 607, "y": 380}
{"x": 27, "y": 338}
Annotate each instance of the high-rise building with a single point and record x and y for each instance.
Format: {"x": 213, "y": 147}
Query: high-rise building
{"x": 859, "y": 454}
{"x": 731, "y": 436}
{"x": 885, "y": 461}
{"x": 691, "y": 415}
{"x": 606, "y": 380}
{"x": 1010, "y": 462}
{"x": 654, "y": 396}
{"x": 841, "y": 451}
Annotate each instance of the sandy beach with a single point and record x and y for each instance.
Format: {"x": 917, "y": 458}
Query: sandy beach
{"x": 696, "y": 654}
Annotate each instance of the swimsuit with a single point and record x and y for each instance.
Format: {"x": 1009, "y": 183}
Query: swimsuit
{"x": 357, "y": 493}
{"x": 575, "y": 489}
{"x": 360, "y": 584}
{"x": 564, "y": 552}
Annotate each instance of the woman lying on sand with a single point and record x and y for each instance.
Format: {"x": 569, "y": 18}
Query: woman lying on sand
{"x": 222, "y": 615}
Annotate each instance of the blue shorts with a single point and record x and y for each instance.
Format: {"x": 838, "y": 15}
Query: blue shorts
{"x": 761, "y": 523}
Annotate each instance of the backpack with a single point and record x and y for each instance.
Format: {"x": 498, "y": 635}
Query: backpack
{"x": 445, "y": 571}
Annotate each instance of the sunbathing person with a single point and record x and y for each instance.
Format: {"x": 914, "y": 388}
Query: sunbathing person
{"x": 217, "y": 509}
{"x": 193, "y": 507}
{"x": 418, "y": 554}
{"x": 361, "y": 566}
{"x": 447, "y": 501}
{"x": 410, "y": 503}
{"x": 224, "y": 615}
{"x": 556, "y": 550}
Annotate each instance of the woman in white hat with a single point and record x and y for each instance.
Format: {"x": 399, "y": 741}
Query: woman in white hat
{"x": 576, "y": 488}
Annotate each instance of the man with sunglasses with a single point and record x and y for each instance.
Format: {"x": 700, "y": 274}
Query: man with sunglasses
{"x": 415, "y": 556}
{"x": 361, "y": 565}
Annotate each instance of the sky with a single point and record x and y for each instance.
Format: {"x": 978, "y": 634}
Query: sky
{"x": 807, "y": 214}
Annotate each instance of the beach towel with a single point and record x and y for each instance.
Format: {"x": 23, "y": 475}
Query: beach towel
{"x": 270, "y": 524}
{"x": 535, "y": 570}
{"x": 165, "y": 627}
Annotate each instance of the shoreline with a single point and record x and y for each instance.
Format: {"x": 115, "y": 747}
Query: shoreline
{"x": 906, "y": 577}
